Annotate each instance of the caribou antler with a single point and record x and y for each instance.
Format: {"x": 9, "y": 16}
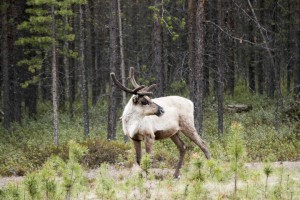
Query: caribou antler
{"x": 134, "y": 83}
{"x": 131, "y": 78}
{"x": 138, "y": 89}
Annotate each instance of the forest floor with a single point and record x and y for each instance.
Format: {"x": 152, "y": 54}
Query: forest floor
{"x": 291, "y": 169}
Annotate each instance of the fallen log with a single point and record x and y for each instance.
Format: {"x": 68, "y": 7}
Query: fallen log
{"x": 238, "y": 108}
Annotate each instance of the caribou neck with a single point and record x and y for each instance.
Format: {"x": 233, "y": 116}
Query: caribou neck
{"x": 130, "y": 120}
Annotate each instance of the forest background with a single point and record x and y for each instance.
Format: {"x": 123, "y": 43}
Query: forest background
{"x": 56, "y": 57}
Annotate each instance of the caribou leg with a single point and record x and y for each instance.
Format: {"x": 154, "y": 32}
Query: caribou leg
{"x": 138, "y": 151}
{"x": 148, "y": 144}
{"x": 190, "y": 131}
{"x": 182, "y": 149}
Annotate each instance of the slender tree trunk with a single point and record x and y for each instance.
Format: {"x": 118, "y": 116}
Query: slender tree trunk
{"x": 18, "y": 12}
{"x": 5, "y": 70}
{"x": 191, "y": 42}
{"x": 232, "y": 47}
{"x": 123, "y": 76}
{"x": 251, "y": 69}
{"x": 260, "y": 65}
{"x": 66, "y": 63}
{"x": 297, "y": 59}
{"x": 31, "y": 100}
{"x": 61, "y": 85}
{"x": 199, "y": 65}
{"x": 82, "y": 67}
{"x": 220, "y": 71}
{"x": 157, "y": 49}
{"x": 54, "y": 80}
{"x": 72, "y": 67}
{"x": 46, "y": 80}
{"x": 95, "y": 51}
{"x": 112, "y": 114}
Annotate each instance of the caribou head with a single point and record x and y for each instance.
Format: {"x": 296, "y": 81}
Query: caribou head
{"x": 141, "y": 100}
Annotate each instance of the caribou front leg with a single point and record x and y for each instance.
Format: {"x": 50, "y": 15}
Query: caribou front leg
{"x": 138, "y": 151}
{"x": 149, "y": 140}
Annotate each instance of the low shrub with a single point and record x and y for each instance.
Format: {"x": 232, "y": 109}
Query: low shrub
{"x": 100, "y": 151}
{"x": 31, "y": 157}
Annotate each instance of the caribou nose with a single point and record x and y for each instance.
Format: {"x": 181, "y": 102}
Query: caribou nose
{"x": 160, "y": 111}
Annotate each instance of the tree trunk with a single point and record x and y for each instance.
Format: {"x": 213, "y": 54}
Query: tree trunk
{"x": 199, "y": 63}
{"x": 260, "y": 65}
{"x": 72, "y": 82}
{"x": 54, "y": 80}
{"x": 18, "y": 13}
{"x": 66, "y": 64}
{"x": 232, "y": 47}
{"x": 5, "y": 70}
{"x": 95, "y": 51}
{"x": 123, "y": 76}
{"x": 191, "y": 42}
{"x": 220, "y": 71}
{"x": 83, "y": 70}
{"x": 72, "y": 68}
{"x": 61, "y": 85}
{"x": 31, "y": 95}
{"x": 251, "y": 69}
{"x": 297, "y": 59}
{"x": 112, "y": 114}
{"x": 157, "y": 49}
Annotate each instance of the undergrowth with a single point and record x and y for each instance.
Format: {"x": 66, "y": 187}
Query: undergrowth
{"x": 26, "y": 147}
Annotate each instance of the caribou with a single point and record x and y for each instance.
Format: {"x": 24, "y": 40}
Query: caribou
{"x": 146, "y": 119}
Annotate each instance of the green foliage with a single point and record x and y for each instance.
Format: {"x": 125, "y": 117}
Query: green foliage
{"x": 32, "y": 186}
{"x": 236, "y": 146}
{"x": 39, "y": 32}
{"x": 267, "y": 170}
{"x": 215, "y": 171}
{"x": 49, "y": 185}
{"x": 179, "y": 87}
{"x": 73, "y": 179}
{"x": 236, "y": 152}
{"x": 100, "y": 151}
{"x": 146, "y": 163}
{"x": 172, "y": 24}
{"x": 11, "y": 192}
{"x": 105, "y": 185}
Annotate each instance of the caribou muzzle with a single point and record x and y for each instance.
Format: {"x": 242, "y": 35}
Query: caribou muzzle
{"x": 160, "y": 111}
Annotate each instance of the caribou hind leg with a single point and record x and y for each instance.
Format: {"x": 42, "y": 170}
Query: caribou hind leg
{"x": 190, "y": 131}
{"x": 182, "y": 149}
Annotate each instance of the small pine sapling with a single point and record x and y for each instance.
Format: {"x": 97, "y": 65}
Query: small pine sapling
{"x": 214, "y": 169}
{"x": 237, "y": 153}
{"x": 12, "y": 191}
{"x": 51, "y": 168}
{"x": 195, "y": 179}
{"x": 146, "y": 164}
{"x": 72, "y": 173}
{"x": 32, "y": 186}
{"x": 105, "y": 184}
{"x": 267, "y": 171}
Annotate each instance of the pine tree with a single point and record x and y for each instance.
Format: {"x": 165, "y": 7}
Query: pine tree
{"x": 45, "y": 29}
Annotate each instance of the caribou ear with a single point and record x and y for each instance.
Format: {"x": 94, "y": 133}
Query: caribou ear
{"x": 135, "y": 99}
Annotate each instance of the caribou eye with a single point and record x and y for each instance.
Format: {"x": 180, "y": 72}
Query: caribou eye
{"x": 145, "y": 102}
